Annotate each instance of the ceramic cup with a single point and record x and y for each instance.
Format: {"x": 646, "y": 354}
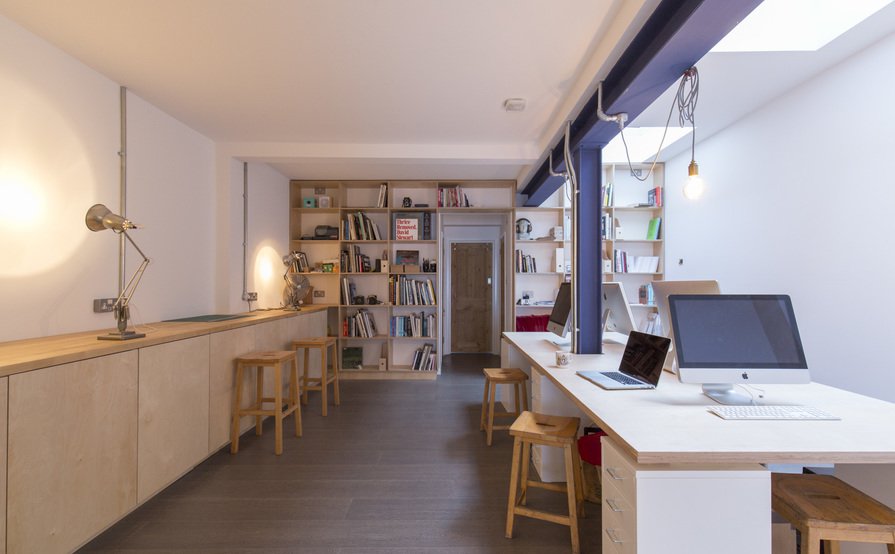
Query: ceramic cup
{"x": 563, "y": 358}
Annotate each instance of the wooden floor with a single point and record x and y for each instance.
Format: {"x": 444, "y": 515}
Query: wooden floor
{"x": 399, "y": 467}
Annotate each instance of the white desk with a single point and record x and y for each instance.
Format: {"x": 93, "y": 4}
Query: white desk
{"x": 701, "y": 496}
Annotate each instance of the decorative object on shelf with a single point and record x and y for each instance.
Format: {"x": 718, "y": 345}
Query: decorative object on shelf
{"x": 326, "y": 232}
{"x": 407, "y": 202}
{"x": 309, "y": 202}
{"x": 556, "y": 232}
{"x": 99, "y": 218}
{"x": 324, "y": 202}
{"x": 372, "y": 300}
{"x": 523, "y": 229}
{"x": 383, "y": 266}
{"x": 359, "y": 300}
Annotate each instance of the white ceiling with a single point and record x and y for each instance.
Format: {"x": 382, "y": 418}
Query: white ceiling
{"x": 352, "y": 89}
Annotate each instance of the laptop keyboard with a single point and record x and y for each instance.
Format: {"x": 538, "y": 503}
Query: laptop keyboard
{"x": 621, "y": 378}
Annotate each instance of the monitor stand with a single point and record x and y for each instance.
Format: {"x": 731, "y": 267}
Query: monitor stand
{"x": 726, "y": 394}
{"x": 561, "y": 342}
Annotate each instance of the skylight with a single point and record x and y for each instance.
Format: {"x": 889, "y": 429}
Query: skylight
{"x": 796, "y": 25}
{"x": 642, "y": 143}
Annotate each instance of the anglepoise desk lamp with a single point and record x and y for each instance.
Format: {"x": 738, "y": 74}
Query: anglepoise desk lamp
{"x": 99, "y": 218}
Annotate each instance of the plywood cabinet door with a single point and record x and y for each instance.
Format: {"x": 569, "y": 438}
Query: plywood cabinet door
{"x": 72, "y": 452}
{"x": 226, "y": 346}
{"x": 173, "y": 417}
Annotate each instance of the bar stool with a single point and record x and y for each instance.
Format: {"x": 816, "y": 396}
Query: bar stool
{"x": 260, "y": 360}
{"x": 533, "y": 428}
{"x": 321, "y": 383}
{"x": 824, "y": 508}
{"x": 501, "y": 376}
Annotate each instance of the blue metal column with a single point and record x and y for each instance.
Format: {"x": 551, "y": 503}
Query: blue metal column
{"x": 588, "y": 259}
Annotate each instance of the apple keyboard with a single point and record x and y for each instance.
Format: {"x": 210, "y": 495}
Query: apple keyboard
{"x": 771, "y": 412}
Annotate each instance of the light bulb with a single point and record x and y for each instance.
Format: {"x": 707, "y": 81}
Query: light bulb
{"x": 695, "y": 186}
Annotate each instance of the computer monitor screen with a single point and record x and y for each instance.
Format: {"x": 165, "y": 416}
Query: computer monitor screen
{"x": 562, "y": 307}
{"x": 728, "y": 339}
{"x": 661, "y": 291}
{"x": 617, "y": 315}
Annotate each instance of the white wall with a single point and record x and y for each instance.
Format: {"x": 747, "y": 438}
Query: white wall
{"x": 799, "y": 201}
{"x": 59, "y": 142}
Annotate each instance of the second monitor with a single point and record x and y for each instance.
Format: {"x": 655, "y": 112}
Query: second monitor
{"x": 617, "y": 315}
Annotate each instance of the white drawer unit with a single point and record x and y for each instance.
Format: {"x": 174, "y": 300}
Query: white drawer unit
{"x": 650, "y": 509}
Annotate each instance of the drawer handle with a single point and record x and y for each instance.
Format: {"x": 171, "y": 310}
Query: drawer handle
{"x": 615, "y": 474}
{"x": 613, "y": 537}
{"x": 613, "y": 505}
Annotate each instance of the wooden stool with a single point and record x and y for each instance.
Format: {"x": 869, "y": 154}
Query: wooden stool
{"x": 531, "y": 428}
{"x": 260, "y": 360}
{"x": 824, "y": 508}
{"x": 501, "y": 376}
{"x": 321, "y": 384}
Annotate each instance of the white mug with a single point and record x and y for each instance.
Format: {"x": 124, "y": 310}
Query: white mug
{"x": 563, "y": 358}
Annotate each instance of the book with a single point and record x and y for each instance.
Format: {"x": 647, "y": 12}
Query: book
{"x": 411, "y": 257}
{"x": 352, "y": 357}
{"x": 652, "y": 230}
{"x": 407, "y": 228}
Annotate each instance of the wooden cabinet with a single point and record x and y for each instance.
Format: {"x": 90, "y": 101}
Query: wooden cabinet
{"x": 173, "y": 424}
{"x": 640, "y": 511}
{"x": 72, "y": 468}
{"x": 395, "y": 221}
{"x": 225, "y": 347}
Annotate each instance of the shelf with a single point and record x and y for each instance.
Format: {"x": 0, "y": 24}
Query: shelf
{"x": 475, "y": 209}
{"x": 315, "y": 273}
{"x": 632, "y": 273}
{"x": 361, "y": 241}
{"x": 655, "y": 241}
{"x": 415, "y": 273}
{"x": 415, "y": 305}
{"x": 540, "y": 241}
{"x": 542, "y": 208}
{"x": 321, "y": 241}
{"x": 376, "y": 338}
{"x": 533, "y": 306}
{"x": 633, "y": 208}
{"x": 316, "y": 210}
{"x": 383, "y": 305}
{"x": 391, "y": 375}
{"x": 557, "y": 273}
{"x": 372, "y": 210}
{"x": 417, "y": 339}
{"x": 426, "y": 241}
{"x": 363, "y": 273}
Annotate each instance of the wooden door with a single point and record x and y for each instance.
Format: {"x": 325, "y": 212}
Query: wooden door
{"x": 471, "y": 297}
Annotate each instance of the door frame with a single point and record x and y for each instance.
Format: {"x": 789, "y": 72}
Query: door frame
{"x": 459, "y": 231}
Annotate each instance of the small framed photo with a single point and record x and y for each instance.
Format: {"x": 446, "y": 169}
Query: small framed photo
{"x": 324, "y": 201}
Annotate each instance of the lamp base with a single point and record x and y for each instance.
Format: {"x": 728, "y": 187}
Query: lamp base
{"x": 126, "y": 335}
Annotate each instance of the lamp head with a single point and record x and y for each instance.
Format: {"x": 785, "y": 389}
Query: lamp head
{"x": 289, "y": 258}
{"x": 695, "y": 186}
{"x": 99, "y": 217}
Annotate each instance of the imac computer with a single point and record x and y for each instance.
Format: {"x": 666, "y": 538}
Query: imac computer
{"x": 617, "y": 315}
{"x": 661, "y": 291}
{"x": 558, "y": 323}
{"x": 723, "y": 340}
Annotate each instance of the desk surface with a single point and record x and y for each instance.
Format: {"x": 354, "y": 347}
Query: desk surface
{"x": 671, "y": 425}
{"x": 29, "y": 354}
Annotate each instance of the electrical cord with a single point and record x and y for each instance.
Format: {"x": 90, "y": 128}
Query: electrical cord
{"x": 685, "y": 99}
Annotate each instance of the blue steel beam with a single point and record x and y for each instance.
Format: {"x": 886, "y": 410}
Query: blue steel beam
{"x": 676, "y": 36}
{"x": 588, "y": 260}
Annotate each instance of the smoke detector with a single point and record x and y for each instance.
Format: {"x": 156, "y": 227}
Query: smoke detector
{"x": 514, "y": 104}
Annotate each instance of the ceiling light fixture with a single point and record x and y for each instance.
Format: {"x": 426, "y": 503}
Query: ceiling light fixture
{"x": 687, "y": 95}
{"x": 514, "y": 104}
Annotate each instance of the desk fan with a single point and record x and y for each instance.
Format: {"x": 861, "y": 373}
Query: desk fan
{"x": 297, "y": 288}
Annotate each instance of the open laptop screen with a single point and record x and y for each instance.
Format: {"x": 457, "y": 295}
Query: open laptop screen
{"x": 644, "y": 356}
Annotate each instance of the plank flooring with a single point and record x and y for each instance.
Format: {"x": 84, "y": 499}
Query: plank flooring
{"x": 399, "y": 467}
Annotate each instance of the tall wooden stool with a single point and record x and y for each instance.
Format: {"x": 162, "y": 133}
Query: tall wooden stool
{"x": 824, "y": 508}
{"x": 532, "y": 428}
{"x": 322, "y": 383}
{"x": 260, "y": 360}
{"x": 502, "y": 376}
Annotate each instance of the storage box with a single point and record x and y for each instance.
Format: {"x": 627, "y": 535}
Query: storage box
{"x": 406, "y": 268}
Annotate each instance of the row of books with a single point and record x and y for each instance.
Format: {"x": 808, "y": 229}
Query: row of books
{"x": 300, "y": 263}
{"x": 452, "y": 197}
{"x": 654, "y": 197}
{"x": 348, "y": 291}
{"x": 424, "y": 358}
{"x": 361, "y": 324}
{"x": 626, "y": 263}
{"x": 360, "y": 227}
{"x": 654, "y": 229}
{"x": 403, "y": 291}
{"x": 645, "y": 295}
{"x": 525, "y": 263}
{"x": 413, "y": 325}
{"x": 353, "y": 261}
{"x": 606, "y": 226}
{"x": 606, "y": 194}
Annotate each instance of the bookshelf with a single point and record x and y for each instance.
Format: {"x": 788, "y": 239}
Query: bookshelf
{"x": 633, "y": 234}
{"x": 395, "y": 221}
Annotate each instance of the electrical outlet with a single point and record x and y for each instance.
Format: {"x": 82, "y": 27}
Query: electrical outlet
{"x": 251, "y": 296}
{"x": 319, "y": 293}
{"x": 103, "y": 305}
{"x": 319, "y": 190}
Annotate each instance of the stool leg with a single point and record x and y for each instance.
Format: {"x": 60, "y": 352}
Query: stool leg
{"x": 890, "y": 549}
{"x": 516, "y": 399}
{"x": 514, "y": 479}
{"x": 305, "y": 379}
{"x": 524, "y": 398}
{"x": 523, "y": 482}
{"x": 832, "y": 547}
{"x": 484, "y": 404}
{"x": 237, "y": 403}
{"x": 490, "y": 428}
{"x": 259, "y": 397}
{"x": 570, "y": 494}
{"x": 810, "y": 542}
{"x": 278, "y": 408}
{"x": 336, "y": 377}
{"x": 324, "y": 378}
{"x": 293, "y": 394}
{"x": 579, "y": 480}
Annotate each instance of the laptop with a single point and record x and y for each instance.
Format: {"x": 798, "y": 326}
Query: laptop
{"x": 641, "y": 364}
